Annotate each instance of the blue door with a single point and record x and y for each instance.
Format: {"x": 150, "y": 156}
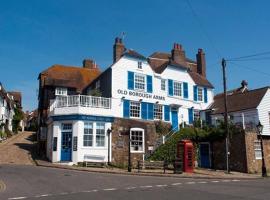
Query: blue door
{"x": 66, "y": 146}
{"x": 205, "y": 155}
{"x": 175, "y": 125}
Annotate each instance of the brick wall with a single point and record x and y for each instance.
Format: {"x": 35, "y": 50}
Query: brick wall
{"x": 120, "y": 140}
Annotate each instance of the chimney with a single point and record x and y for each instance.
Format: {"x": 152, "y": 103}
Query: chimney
{"x": 201, "y": 64}
{"x": 244, "y": 85}
{"x": 118, "y": 49}
{"x": 178, "y": 54}
{"x": 89, "y": 64}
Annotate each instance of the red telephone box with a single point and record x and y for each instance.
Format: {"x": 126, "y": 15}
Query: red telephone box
{"x": 185, "y": 151}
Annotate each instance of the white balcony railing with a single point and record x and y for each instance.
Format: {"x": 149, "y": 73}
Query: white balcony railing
{"x": 80, "y": 100}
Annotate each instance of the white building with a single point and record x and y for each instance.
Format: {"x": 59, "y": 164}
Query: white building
{"x": 6, "y": 109}
{"x": 245, "y": 108}
{"x": 166, "y": 87}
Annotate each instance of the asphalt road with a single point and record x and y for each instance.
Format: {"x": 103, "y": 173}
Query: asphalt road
{"x": 31, "y": 182}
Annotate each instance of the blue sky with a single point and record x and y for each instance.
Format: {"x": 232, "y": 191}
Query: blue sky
{"x": 37, "y": 34}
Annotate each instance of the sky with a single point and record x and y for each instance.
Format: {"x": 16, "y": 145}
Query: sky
{"x": 37, "y": 34}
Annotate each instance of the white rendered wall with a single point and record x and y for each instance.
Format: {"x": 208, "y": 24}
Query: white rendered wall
{"x": 263, "y": 112}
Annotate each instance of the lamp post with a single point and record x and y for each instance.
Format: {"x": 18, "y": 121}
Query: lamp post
{"x": 259, "y": 132}
{"x": 109, "y": 144}
{"x": 129, "y": 153}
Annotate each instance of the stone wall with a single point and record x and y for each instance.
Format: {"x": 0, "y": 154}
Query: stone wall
{"x": 237, "y": 153}
{"x": 255, "y": 165}
{"x": 242, "y": 157}
{"x": 120, "y": 140}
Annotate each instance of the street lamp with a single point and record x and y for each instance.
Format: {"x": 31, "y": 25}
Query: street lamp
{"x": 129, "y": 153}
{"x": 109, "y": 145}
{"x": 259, "y": 132}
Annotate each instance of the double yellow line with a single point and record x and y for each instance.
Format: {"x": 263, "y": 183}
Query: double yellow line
{"x": 2, "y": 186}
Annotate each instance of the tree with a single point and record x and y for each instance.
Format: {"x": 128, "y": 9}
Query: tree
{"x": 18, "y": 116}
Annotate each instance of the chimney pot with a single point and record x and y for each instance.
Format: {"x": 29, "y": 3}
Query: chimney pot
{"x": 89, "y": 64}
{"x": 118, "y": 49}
{"x": 201, "y": 63}
{"x": 178, "y": 55}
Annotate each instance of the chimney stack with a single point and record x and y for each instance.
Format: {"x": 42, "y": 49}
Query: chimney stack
{"x": 118, "y": 49}
{"x": 89, "y": 64}
{"x": 178, "y": 54}
{"x": 201, "y": 64}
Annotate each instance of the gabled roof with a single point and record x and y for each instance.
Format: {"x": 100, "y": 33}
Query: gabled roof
{"x": 159, "y": 69}
{"x": 167, "y": 56}
{"x": 17, "y": 97}
{"x": 239, "y": 101}
{"x": 200, "y": 80}
{"x": 69, "y": 76}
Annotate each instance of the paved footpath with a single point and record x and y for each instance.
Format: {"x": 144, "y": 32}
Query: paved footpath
{"x": 17, "y": 149}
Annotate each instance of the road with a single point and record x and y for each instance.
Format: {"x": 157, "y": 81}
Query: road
{"x": 31, "y": 182}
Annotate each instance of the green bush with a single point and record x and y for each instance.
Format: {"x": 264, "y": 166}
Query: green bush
{"x": 3, "y": 134}
{"x": 197, "y": 133}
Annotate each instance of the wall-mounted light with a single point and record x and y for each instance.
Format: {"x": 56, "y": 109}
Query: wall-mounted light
{"x": 140, "y": 100}
{"x": 123, "y": 97}
{"x": 157, "y": 102}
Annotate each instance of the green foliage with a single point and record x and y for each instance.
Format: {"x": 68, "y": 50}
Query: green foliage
{"x": 162, "y": 128}
{"x": 18, "y": 116}
{"x": 95, "y": 92}
{"x": 3, "y": 134}
{"x": 198, "y": 133}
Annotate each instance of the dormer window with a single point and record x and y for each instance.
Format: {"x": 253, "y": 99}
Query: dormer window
{"x": 60, "y": 91}
{"x": 139, "y": 65}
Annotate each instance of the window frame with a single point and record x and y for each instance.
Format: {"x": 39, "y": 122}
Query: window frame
{"x": 257, "y": 150}
{"x": 178, "y": 89}
{"x": 131, "y": 111}
{"x": 202, "y": 95}
{"x": 163, "y": 84}
{"x": 131, "y": 140}
{"x": 92, "y": 141}
{"x": 61, "y": 91}
{"x": 136, "y": 83}
{"x": 100, "y": 135}
{"x": 139, "y": 65}
{"x": 158, "y": 111}
{"x": 197, "y": 114}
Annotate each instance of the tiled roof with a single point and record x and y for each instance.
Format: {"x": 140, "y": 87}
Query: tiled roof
{"x": 200, "y": 80}
{"x": 134, "y": 54}
{"x": 17, "y": 96}
{"x": 238, "y": 101}
{"x": 167, "y": 56}
{"x": 69, "y": 76}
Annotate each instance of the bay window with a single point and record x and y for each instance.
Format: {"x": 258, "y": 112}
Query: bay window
{"x": 100, "y": 134}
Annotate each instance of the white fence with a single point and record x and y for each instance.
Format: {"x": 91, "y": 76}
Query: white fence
{"x": 80, "y": 100}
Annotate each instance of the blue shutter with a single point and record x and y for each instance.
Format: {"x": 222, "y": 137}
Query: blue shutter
{"x": 190, "y": 116}
{"x": 170, "y": 87}
{"x": 205, "y": 95}
{"x": 126, "y": 108}
{"x": 185, "y": 84}
{"x": 166, "y": 113}
{"x": 150, "y": 111}
{"x": 149, "y": 84}
{"x": 195, "y": 92}
{"x": 130, "y": 80}
{"x": 144, "y": 110}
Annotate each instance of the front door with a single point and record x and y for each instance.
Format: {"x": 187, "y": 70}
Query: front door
{"x": 205, "y": 155}
{"x": 66, "y": 143}
{"x": 175, "y": 120}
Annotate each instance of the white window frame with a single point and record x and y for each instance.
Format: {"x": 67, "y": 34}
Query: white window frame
{"x": 132, "y": 110}
{"x": 196, "y": 112}
{"x": 88, "y": 134}
{"x": 257, "y": 150}
{"x": 200, "y": 89}
{"x": 177, "y": 89}
{"x": 61, "y": 91}
{"x": 158, "y": 112}
{"x": 139, "y": 65}
{"x": 100, "y": 135}
{"x": 132, "y": 141}
{"x": 138, "y": 83}
{"x": 163, "y": 84}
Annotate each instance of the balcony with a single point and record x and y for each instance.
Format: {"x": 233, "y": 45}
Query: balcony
{"x": 80, "y": 104}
